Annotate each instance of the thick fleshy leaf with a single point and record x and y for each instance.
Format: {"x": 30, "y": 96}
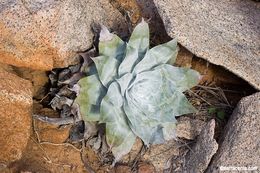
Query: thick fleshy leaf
{"x": 158, "y": 55}
{"x": 144, "y": 94}
{"x": 140, "y": 124}
{"x": 89, "y": 97}
{"x": 107, "y": 69}
{"x": 181, "y": 78}
{"x": 129, "y": 62}
{"x": 110, "y": 45}
{"x": 153, "y": 100}
{"x": 119, "y": 136}
{"x": 126, "y": 145}
{"x": 158, "y": 97}
{"x": 124, "y": 82}
{"x": 140, "y": 38}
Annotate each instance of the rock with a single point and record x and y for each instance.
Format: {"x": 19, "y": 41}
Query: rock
{"x": 158, "y": 155}
{"x": 123, "y": 169}
{"x": 157, "y": 30}
{"x": 135, "y": 151}
{"x": 129, "y": 8}
{"x": 189, "y": 128}
{"x": 94, "y": 162}
{"x": 223, "y": 32}
{"x": 184, "y": 58}
{"x": 146, "y": 168}
{"x": 47, "y": 34}
{"x": 48, "y": 132}
{"x": 241, "y": 138}
{"x": 15, "y": 116}
{"x": 49, "y": 158}
{"x": 201, "y": 153}
{"x": 38, "y": 78}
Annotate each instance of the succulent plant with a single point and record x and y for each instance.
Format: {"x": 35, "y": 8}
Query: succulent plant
{"x": 134, "y": 91}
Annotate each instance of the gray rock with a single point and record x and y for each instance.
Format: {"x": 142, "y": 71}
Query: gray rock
{"x": 189, "y": 128}
{"x": 159, "y": 155}
{"x": 240, "y": 146}
{"x": 223, "y": 32}
{"x": 201, "y": 153}
{"x": 44, "y": 34}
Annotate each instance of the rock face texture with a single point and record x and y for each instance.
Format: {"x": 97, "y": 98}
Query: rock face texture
{"x": 223, "y": 32}
{"x": 48, "y": 132}
{"x": 45, "y": 34}
{"x": 241, "y": 140}
{"x": 206, "y": 146}
{"x": 189, "y": 128}
{"x": 15, "y": 116}
{"x": 49, "y": 158}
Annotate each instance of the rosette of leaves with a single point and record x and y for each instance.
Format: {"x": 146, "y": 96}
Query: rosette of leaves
{"x": 134, "y": 91}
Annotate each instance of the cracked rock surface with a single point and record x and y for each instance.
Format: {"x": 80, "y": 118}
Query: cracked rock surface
{"x": 241, "y": 140}
{"x": 15, "y": 115}
{"x": 223, "y": 32}
{"x": 48, "y": 34}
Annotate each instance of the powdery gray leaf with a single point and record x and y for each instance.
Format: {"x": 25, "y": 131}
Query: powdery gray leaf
{"x": 130, "y": 60}
{"x": 119, "y": 136}
{"x": 151, "y": 100}
{"x": 143, "y": 93}
{"x": 107, "y": 69}
{"x": 140, "y": 38}
{"x": 158, "y": 55}
{"x": 181, "y": 78}
{"x": 89, "y": 99}
{"x": 110, "y": 45}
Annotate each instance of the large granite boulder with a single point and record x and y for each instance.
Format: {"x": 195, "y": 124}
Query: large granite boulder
{"x": 240, "y": 146}
{"x": 223, "y": 32}
{"x": 44, "y": 34}
{"x": 15, "y": 116}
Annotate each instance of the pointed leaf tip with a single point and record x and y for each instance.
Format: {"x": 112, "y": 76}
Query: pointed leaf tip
{"x": 105, "y": 35}
{"x": 140, "y": 38}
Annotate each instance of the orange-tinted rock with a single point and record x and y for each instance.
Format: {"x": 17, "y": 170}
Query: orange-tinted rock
{"x": 49, "y": 158}
{"x": 135, "y": 151}
{"x": 184, "y": 58}
{"x": 15, "y": 116}
{"x": 38, "y": 78}
{"x": 46, "y": 34}
{"x": 130, "y": 7}
{"x": 146, "y": 168}
{"x": 48, "y": 132}
{"x": 123, "y": 169}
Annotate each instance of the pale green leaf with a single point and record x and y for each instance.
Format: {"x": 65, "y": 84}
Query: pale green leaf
{"x": 157, "y": 97}
{"x": 181, "y": 78}
{"x": 140, "y": 38}
{"x": 119, "y": 136}
{"x": 143, "y": 95}
{"x": 153, "y": 100}
{"x": 125, "y": 147}
{"x": 130, "y": 60}
{"x": 107, "y": 69}
{"x": 110, "y": 45}
{"x": 89, "y": 97}
{"x": 158, "y": 55}
{"x": 140, "y": 124}
{"x": 124, "y": 82}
